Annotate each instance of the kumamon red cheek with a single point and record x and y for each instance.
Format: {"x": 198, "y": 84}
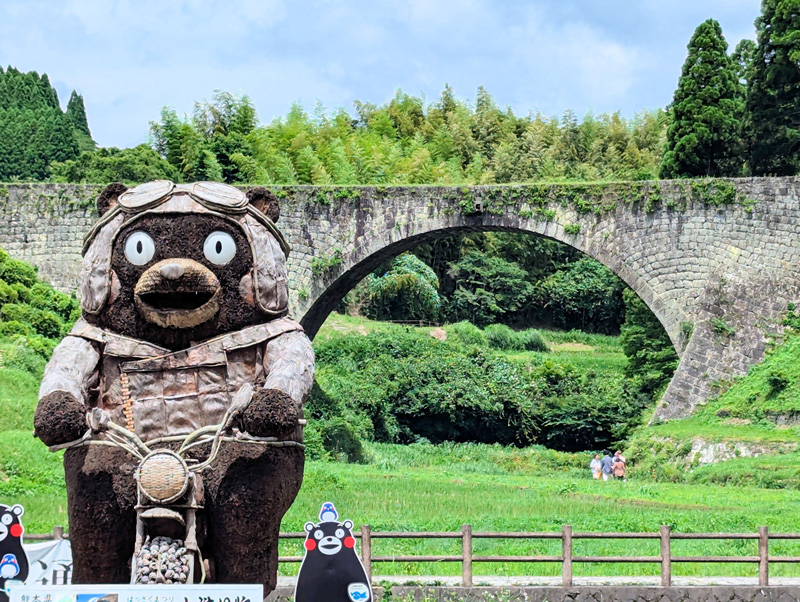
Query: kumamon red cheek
{"x": 15, "y": 530}
{"x": 310, "y": 544}
{"x": 349, "y": 542}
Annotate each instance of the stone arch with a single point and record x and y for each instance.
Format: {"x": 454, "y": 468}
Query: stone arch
{"x": 365, "y": 257}
{"x": 700, "y": 253}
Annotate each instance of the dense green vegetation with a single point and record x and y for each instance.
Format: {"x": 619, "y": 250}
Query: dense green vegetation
{"x": 409, "y": 288}
{"x": 33, "y": 316}
{"x": 651, "y": 357}
{"x": 773, "y": 98}
{"x": 34, "y": 131}
{"x": 382, "y": 382}
{"x": 731, "y": 115}
{"x": 519, "y": 280}
{"x": 129, "y": 166}
{"x": 703, "y": 138}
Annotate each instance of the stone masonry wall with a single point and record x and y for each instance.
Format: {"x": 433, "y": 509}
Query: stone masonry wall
{"x": 716, "y": 261}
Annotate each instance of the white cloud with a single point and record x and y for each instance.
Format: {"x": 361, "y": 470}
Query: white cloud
{"x": 131, "y": 57}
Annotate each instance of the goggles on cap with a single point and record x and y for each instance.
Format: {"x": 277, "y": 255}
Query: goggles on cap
{"x": 214, "y": 196}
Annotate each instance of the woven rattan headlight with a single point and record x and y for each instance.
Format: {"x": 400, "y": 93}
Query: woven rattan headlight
{"x": 163, "y": 476}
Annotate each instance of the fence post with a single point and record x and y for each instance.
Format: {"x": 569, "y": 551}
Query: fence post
{"x": 666, "y": 557}
{"x": 566, "y": 553}
{"x": 763, "y": 556}
{"x": 366, "y": 550}
{"x": 466, "y": 555}
{"x": 58, "y": 533}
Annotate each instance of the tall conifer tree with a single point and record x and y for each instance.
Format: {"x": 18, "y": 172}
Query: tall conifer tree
{"x": 773, "y": 100}
{"x": 703, "y": 137}
{"x": 76, "y": 112}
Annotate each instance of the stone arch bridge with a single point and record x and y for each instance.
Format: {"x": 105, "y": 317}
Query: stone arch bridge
{"x": 717, "y": 261}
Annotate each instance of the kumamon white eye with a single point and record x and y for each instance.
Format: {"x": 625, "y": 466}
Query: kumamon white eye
{"x": 7, "y": 518}
{"x": 139, "y": 248}
{"x": 340, "y": 533}
{"x": 318, "y": 534}
{"x": 219, "y": 248}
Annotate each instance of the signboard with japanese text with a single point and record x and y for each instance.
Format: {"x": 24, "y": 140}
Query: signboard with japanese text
{"x": 50, "y": 562}
{"x": 135, "y": 593}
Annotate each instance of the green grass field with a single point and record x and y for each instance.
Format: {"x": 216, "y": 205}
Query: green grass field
{"x": 439, "y": 488}
{"x": 422, "y": 487}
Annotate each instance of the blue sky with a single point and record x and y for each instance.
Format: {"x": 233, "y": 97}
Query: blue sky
{"x": 131, "y": 57}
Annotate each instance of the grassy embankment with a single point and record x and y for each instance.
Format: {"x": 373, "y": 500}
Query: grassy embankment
{"x": 754, "y": 424}
{"x": 424, "y": 487}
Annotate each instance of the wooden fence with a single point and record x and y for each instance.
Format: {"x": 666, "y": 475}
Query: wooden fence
{"x": 566, "y": 558}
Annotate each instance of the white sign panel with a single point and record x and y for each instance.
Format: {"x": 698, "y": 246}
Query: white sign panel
{"x": 50, "y": 562}
{"x": 135, "y": 593}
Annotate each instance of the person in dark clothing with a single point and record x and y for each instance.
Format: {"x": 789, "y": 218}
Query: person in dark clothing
{"x": 607, "y": 465}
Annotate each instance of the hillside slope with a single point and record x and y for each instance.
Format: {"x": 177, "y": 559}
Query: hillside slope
{"x": 749, "y": 434}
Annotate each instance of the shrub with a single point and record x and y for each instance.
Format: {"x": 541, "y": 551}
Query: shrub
{"x": 777, "y": 381}
{"x": 531, "y": 340}
{"x": 23, "y": 292}
{"x": 721, "y": 327}
{"x": 402, "y": 386}
{"x": 20, "y": 354}
{"x": 16, "y": 271}
{"x": 40, "y": 345}
{"x": 339, "y": 439}
{"x": 7, "y": 293}
{"x": 468, "y": 333}
{"x": 312, "y": 439}
{"x": 651, "y": 356}
{"x": 501, "y": 336}
{"x": 44, "y": 296}
{"x": 585, "y": 294}
{"x": 45, "y": 322}
{"x": 488, "y": 289}
{"x": 14, "y": 327}
{"x": 408, "y": 290}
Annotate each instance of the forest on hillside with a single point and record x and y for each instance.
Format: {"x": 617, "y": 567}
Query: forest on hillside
{"x": 733, "y": 113}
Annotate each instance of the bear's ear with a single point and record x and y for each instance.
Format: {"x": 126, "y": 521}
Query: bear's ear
{"x": 309, "y": 527}
{"x": 108, "y": 198}
{"x": 18, "y": 510}
{"x": 348, "y": 524}
{"x": 266, "y": 202}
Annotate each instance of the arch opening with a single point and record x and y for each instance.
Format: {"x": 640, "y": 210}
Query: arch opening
{"x": 382, "y": 370}
{"x": 365, "y": 260}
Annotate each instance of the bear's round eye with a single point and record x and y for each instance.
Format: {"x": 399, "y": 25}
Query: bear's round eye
{"x": 219, "y": 248}
{"x": 7, "y": 518}
{"x": 340, "y": 533}
{"x": 318, "y": 534}
{"x": 139, "y": 248}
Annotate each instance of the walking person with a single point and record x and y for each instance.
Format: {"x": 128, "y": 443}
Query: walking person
{"x": 618, "y": 467}
{"x": 607, "y": 466}
{"x": 594, "y": 466}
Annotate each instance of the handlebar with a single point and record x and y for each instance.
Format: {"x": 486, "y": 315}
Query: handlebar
{"x": 99, "y": 421}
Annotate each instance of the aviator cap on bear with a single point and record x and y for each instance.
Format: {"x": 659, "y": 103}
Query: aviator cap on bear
{"x": 269, "y": 248}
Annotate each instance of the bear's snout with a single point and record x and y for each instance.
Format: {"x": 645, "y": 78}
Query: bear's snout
{"x": 177, "y": 292}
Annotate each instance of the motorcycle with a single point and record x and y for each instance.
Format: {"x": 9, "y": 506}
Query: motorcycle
{"x": 169, "y": 489}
